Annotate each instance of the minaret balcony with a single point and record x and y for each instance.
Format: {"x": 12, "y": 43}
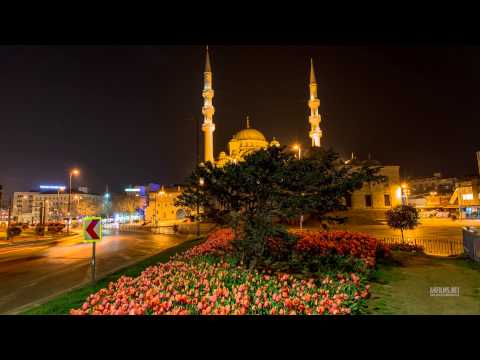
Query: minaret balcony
{"x": 314, "y": 120}
{"x": 208, "y": 111}
{"x": 209, "y": 126}
{"x": 314, "y": 103}
{"x": 208, "y": 93}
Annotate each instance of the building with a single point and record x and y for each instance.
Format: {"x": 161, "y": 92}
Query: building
{"x": 378, "y": 196}
{"x": 249, "y": 140}
{"x": 243, "y": 143}
{"x": 467, "y": 198}
{"x": 28, "y": 206}
{"x": 3, "y": 218}
{"x": 432, "y": 184}
{"x": 143, "y": 193}
{"x": 161, "y": 209}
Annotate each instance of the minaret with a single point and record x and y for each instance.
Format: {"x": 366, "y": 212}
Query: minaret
{"x": 208, "y": 127}
{"x": 314, "y": 104}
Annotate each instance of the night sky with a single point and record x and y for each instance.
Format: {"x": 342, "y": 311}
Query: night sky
{"x": 123, "y": 115}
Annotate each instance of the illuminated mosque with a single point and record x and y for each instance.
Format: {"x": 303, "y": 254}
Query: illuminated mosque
{"x": 375, "y": 198}
{"x": 248, "y": 140}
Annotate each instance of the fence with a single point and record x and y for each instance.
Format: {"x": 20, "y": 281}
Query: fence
{"x": 431, "y": 246}
{"x": 134, "y": 228}
{"x": 471, "y": 238}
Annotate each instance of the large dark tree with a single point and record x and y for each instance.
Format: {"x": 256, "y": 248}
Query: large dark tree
{"x": 271, "y": 185}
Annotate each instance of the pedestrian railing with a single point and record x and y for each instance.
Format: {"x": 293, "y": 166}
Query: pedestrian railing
{"x": 134, "y": 228}
{"x": 431, "y": 246}
{"x": 164, "y": 230}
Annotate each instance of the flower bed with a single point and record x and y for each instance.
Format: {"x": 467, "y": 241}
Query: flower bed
{"x": 217, "y": 243}
{"x": 343, "y": 243}
{"x": 182, "y": 288}
{"x": 310, "y": 243}
{"x": 200, "y": 281}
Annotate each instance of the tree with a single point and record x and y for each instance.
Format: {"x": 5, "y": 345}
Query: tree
{"x": 87, "y": 207}
{"x": 403, "y": 217}
{"x": 126, "y": 204}
{"x": 271, "y": 185}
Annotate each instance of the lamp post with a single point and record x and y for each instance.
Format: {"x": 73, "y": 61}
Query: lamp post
{"x": 299, "y": 149}
{"x": 161, "y": 192}
{"x": 200, "y": 183}
{"x": 404, "y": 194}
{"x": 45, "y": 213}
{"x": 155, "y": 211}
{"x": 73, "y": 172}
{"x": 10, "y": 208}
{"x": 58, "y": 202}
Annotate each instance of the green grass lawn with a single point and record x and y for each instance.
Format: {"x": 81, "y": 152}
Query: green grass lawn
{"x": 402, "y": 287}
{"x": 62, "y": 304}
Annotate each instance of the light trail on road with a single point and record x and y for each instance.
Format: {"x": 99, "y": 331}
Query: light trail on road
{"x": 34, "y": 273}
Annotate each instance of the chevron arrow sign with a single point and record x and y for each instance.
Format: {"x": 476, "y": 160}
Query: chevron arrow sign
{"x": 92, "y": 229}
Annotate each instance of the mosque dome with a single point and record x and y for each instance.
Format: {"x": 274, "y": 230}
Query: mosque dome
{"x": 274, "y": 142}
{"x": 249, "y": 134}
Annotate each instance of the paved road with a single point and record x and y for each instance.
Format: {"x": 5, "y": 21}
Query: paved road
{"x": 30, "y": 274}
{"x": 441, "y": 229}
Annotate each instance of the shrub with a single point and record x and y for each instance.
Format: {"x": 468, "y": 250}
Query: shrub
{"x": 343, "y": 243}
{"x": 40, "y": 230}
{"x": 14, "y": 231}
{"x": 405, "y": 247}
{"x": 403, "y": 217}
{"x": 55, "y": 227}
{"x": 382, "y": 251}
{"x": 218, "y": 243}
{"x": 303, "y": 251}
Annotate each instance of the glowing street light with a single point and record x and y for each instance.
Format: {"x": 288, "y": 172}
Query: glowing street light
{"x": 404, "y": 193}
{"x": 61, "y": 188}
{"x": 201, "y": 182}
{"x": 73, "y": 172}
{"x": 297, "y": 147}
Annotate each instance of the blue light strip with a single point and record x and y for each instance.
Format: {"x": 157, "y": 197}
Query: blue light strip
{"x": 52, "y": 187}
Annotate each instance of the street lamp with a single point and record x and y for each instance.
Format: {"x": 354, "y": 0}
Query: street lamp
{"x": 155, "y": 221}
{"x": 73, "y": 172}
{"x": 58, "y": 202}
{"x": 201, "y": 182}
{"x": 404, "y": 188}
{"x": 299, "y": 149}
{"x": 45, "y": 212}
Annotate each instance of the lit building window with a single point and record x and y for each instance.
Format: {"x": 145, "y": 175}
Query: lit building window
{"x": 467, "y": 196}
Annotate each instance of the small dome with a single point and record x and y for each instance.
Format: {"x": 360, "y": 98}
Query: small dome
{"x": 249, "y": 134}
{"x": 274, "y": 142}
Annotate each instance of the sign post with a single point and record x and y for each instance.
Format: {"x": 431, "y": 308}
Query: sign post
{"x": 92, "y": 232}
